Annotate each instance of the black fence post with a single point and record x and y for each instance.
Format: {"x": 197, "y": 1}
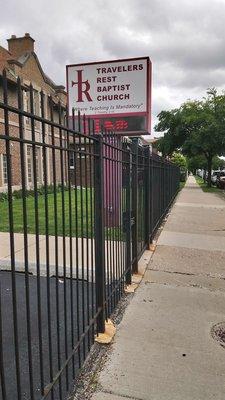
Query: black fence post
{"x": 134, "y": 195}
{"x": 127, "y": 215}
{"x": 151, "y": 166}
{"x": 147, "y": 197}
{"x": 99, "y": 233}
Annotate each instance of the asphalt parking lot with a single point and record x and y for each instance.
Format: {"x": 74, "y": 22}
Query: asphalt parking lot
{"x": 60, "y": 337}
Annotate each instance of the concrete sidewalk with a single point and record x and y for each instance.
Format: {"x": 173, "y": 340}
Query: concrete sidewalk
{"x": 75, "y": 246}
{"x": 83, "y": 253}
{"x": 164, "y": 349}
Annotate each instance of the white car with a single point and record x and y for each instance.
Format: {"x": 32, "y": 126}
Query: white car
{"x": 214, "y": 176}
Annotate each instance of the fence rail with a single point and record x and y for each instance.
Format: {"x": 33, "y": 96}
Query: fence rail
{"x": 77, "y": 210}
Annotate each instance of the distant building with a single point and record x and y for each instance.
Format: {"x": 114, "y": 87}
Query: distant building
{"x": 151, "y": 143}
{"x": 20, "y": 60}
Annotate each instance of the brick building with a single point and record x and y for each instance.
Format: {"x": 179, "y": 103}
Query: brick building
{"x": 20, "y": 60}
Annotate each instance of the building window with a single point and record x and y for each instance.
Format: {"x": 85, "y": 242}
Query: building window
{"x": 72, "y": 159}
{"x": 29, "y": 165}
{"x": 30, "y": 170}
{"x": 26, "y": 105}
{"x": 5, "y": 171}
{"x": 37, "y": 107}
{"x": 36, "y": 103}
{"x": 81, "y": 155}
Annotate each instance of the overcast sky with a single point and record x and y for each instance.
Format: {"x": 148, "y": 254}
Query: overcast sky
{"x": 185, "y": 39}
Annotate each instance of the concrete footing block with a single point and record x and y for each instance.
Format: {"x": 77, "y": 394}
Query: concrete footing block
{"x": 137, "y": 278}
{"x": 152, "y": 246}
{"x": 131, "y": 288}
{"x": 108, "y": 335}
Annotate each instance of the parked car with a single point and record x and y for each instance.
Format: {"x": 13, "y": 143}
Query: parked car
{"x": 220, "y": 182}
{"x": 214, "y": 176}
{"x": 200, "y": 173}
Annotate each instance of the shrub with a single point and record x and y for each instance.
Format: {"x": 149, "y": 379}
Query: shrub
{"x": 18, "y": 194}
{"x": 3, "y": 196}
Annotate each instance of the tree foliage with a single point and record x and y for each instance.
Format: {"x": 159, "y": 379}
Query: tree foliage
{"x": 200, "y": 162}
{"x": 197, "y": 128}
{"x": 179, "y": 159}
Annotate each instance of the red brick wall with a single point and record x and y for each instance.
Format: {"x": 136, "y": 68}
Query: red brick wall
{"x": 30, "y": 72}
{"x": 14, "y": 152}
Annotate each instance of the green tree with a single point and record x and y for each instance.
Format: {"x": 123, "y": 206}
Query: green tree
{"x": 200, "y": 162}
{"x": 179, "y": 159}
{"x": 196, "y": 162}
{"x": 196, "y": 128}
{"x": 218, "y": 163}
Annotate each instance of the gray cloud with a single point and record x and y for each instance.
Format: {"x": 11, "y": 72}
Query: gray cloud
{"x": 184, "y": 39}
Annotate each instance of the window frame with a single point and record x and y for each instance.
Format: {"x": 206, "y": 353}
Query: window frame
{"x": 4, "y": 170}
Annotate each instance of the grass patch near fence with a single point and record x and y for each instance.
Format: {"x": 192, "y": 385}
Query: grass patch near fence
{"x": 53, "y": 225}
{"x": 205, "y": 188}
{"x": 78, "y": 215}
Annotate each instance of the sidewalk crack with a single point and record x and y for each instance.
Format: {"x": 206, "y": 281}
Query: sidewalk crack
{"x": 120, "y": 395}
{"x": 188, "y": 273}
{"x": 172, "y": 272}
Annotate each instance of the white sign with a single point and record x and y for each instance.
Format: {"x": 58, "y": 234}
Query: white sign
{"x": 110, "y": 88}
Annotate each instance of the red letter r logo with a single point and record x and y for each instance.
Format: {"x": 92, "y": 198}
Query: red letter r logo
{"x": 80, "y": 90}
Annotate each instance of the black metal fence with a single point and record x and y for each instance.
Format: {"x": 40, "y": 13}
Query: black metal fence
{"x": 77, "y": 210}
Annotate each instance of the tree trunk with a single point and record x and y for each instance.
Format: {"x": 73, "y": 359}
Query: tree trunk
{"x": 204, "y": 175}
{"x": 209, "y": 160}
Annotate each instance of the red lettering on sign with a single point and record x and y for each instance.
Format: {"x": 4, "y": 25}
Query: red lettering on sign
{"x": 121, "y": 125}
{"x": 80, "y": 90}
